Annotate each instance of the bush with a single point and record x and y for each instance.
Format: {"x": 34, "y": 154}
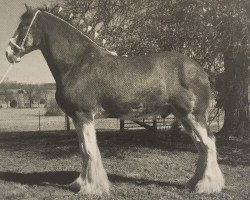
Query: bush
{"x": 53, "y": 109}
{"x": 42, "y": 101}
{"x": 13, "y": 104}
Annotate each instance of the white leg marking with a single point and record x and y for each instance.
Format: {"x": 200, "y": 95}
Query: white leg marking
{"x": 93, "y": 178}
{"x": 208, "y": 173}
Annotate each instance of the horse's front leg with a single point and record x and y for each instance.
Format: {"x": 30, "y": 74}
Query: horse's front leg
{"x": 93, "y": 178}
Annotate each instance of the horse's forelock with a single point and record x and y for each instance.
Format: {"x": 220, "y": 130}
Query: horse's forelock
{"x": 30, "y": 12}
{"x": 26, "y": 15}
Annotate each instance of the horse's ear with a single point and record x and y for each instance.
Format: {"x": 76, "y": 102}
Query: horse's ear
{"x": 28, "y": 8}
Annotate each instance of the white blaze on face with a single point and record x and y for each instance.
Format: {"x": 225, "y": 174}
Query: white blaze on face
{"x": 11, "y": 54}
{"x": 9, "y": 51}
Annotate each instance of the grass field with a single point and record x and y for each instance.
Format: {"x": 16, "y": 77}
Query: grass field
{"x": 140, "y": 165}
{"x": 28, "y": 120}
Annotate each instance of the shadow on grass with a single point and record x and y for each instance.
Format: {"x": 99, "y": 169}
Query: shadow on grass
{"x": 40, "y": 178}
{"x": 61, "y": 144}
{"x": 234, "y": 152}
{"x": 62, "y": 178}
{"x": 142, "y": 181}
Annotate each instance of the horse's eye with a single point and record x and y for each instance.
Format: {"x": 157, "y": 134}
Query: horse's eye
{"x": 23, "y": 29}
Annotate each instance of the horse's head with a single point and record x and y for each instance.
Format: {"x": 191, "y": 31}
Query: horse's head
{"x": 26, "y": 38}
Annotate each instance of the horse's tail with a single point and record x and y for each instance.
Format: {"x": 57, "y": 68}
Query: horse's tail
{"x": 193, "y": 78}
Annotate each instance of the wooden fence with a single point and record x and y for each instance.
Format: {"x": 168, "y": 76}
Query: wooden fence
{"x": 152, "y": 124}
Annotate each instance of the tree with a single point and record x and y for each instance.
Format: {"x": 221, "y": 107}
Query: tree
{"x": 236, "y": 70}
{"x": 8, "y": 97}
{"x": 32, "y": 92}
{"x": 43, "y": 90}
{"x": 213, "y": 32}
{"x": 8, "y": 94}
{"x": 13, "y": 104}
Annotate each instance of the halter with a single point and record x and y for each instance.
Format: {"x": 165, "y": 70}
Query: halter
{"x": 26, "y": 35}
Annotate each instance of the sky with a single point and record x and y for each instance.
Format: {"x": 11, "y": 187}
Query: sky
{"x": 33, "y": 67}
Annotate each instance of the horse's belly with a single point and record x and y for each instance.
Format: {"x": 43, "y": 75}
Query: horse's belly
{"x": 134, "y": 110}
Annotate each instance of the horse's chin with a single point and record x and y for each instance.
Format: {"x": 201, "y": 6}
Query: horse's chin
{"x": 14, "y": 59}
{"x": 18, "y": 59}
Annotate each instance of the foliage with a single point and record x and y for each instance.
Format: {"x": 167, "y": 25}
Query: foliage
{"x": 205, "y": 30}
{"x": 16, "y": 85}
{"x": 8, "y": 96}
{"x": 53, "y": 108}
{"x": 202, "y": 30}
{"x": 42, "y": 101}
{"x": 13, "y": 104}
{"x": 33, "y": 92}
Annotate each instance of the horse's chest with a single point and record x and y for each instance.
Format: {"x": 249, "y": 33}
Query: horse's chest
{"x": 76, "y": 98}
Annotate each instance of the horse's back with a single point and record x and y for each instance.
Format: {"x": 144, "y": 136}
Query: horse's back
{"x": 154, "y": 80}
{"x": 169, "y": 66}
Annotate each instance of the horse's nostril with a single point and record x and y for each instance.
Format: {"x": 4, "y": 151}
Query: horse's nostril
{"x": 9, "y": 57}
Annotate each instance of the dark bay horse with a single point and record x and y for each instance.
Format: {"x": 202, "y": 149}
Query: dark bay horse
{"x": 90, "y": 80}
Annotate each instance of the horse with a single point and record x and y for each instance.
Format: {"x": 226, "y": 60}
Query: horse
{"x": 90, "y": 80}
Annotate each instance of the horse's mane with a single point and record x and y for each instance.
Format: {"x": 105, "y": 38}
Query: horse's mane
{"x": 64, "y": 14}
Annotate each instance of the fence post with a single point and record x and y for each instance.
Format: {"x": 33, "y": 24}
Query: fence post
{"x": 155, "y": 124}
{"x": 122, "y": 125}
{"x": 218, "y": 119}
{"x": 67, "y": 123}
{"x": 39, "y": 121}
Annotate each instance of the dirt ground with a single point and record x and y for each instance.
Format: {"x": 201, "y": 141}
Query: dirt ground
{"x": 140, "y": 165}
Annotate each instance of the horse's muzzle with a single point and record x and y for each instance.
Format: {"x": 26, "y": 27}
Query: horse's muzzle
{"x": 11, "y": 57}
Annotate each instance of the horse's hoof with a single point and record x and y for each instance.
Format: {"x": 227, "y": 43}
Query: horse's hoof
{"x": 74, "y": 186}
{"x": 85, "y": 187}
{"x": 209, "y": 186}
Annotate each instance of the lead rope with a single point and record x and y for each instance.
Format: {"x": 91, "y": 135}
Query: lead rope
{"x": 6, "y": 73}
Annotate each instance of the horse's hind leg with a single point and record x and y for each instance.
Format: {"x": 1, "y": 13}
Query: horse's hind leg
{"x": 93, "y": 178}
{"x": 208, "y": 177}
{"x": 200, "y": 167}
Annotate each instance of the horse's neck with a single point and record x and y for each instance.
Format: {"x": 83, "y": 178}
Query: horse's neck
{"x": 64, "y": 47}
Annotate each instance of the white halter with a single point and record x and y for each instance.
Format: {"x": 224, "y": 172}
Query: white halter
{"x": 26, "y": 35}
